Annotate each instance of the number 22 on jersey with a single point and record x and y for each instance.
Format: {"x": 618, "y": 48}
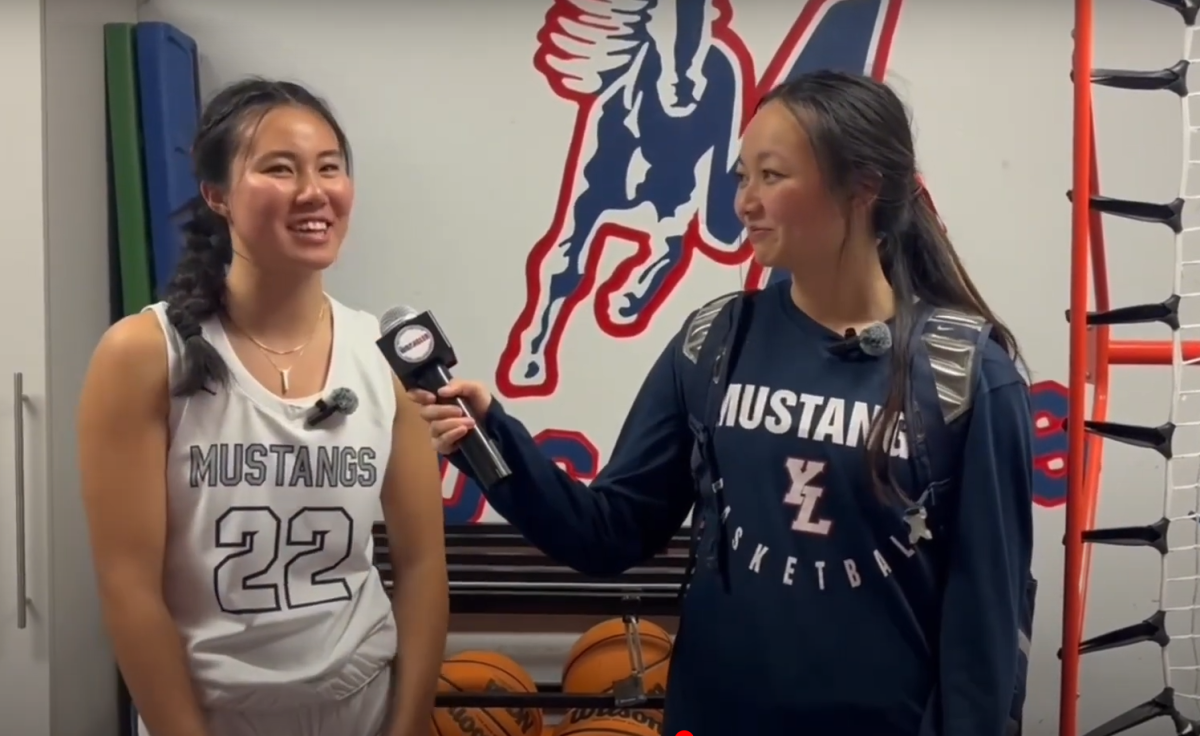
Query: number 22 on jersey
{"x": 278, "y": 565}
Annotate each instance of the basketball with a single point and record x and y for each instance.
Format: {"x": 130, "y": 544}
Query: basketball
{"x": 600, "y": 658}
{"x": 610, "y": 721}
{"x": 477, "y": 672}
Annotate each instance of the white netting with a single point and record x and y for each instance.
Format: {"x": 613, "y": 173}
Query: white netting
{"x": 1179, "y": 591}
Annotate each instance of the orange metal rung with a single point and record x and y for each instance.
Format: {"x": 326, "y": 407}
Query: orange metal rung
{"x": 1149, "y": 352}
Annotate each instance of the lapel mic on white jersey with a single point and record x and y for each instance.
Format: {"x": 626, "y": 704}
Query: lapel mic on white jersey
{"x": 422, "y": 357}
{"x": 340, "y": 401}
{"x": 874, "y": 341}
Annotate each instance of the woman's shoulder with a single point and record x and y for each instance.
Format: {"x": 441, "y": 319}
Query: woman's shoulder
{"x": 998, "y": 367}
{"x": 974, "y": 344}
{"x": 136, "y": 337}
{"x": 133, "y": 353}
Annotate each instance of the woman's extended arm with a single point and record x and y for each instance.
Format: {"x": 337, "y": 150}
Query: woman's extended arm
{"x": 123, "y": 437}
{"x": 990, "y": 555}
{"x": 635, "y": 504}
{"x": 412, "y": 511}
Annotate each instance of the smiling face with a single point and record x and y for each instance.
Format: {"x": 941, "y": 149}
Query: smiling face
{"x": 290, "y": 195}
{"x": 782, "y": 199}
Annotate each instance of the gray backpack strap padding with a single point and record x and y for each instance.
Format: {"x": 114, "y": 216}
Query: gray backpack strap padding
{"x": 695, "y": 333}
{"x": 709, "y": 338}
{"x": 955, "y": 342}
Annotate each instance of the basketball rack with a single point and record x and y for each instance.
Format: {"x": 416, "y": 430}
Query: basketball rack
{"x": 493, "y": 570}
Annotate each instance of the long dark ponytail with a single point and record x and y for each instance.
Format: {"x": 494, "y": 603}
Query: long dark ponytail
{"x": 196, "y": 291}
{"x": 859, "y": 130}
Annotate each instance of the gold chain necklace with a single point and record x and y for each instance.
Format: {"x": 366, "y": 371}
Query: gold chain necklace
{"x": 298, "y": 351}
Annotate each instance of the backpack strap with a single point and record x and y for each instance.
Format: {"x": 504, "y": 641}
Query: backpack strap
{"x": 701, "y": 324}
{"x": 946, "y": 352}
{"x": 710, "y": 342}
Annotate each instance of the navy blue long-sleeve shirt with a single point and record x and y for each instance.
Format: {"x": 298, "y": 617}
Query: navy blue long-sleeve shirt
{"x": 833, "y": 623}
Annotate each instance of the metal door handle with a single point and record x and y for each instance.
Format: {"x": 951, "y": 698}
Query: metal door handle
{"x": 19, "y": 464}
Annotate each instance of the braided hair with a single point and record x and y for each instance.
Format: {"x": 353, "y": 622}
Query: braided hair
{"x": 196, "y": 290}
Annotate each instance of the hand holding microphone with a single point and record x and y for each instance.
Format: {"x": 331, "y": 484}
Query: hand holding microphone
{"x": 448, "y": 422}
{"x": 417, "y": 350}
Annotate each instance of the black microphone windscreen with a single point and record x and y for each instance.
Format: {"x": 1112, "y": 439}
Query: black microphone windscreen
{"x": 875, "y": 339}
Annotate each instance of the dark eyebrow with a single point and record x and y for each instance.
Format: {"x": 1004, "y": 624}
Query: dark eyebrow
{"x": 292, "y": 157}
{"x": 762, "y": 156}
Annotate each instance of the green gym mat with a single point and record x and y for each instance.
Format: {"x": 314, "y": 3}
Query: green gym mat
{"x": 126, "y": 174}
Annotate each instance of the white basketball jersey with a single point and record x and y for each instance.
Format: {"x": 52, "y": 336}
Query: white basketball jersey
{"x": 268, "y": 569}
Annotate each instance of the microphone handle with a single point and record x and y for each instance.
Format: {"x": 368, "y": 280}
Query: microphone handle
{"x": 323, "y": 412}
{"x": 845, "y": 347}
{"x": 477, "y": 448}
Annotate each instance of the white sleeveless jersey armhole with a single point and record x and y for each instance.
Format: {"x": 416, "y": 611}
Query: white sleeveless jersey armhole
{"x": 269, "y": 565}
{"x": 174, "y": 362}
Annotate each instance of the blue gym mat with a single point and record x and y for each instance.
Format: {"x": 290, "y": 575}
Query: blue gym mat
{"x": 168, "y": 87}
{"x": 169, "y": 91}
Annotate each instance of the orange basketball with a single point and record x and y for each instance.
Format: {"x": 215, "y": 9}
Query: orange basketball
{"x": 476, "y": 672}
{"x": 601, "y": 657}
{"x": 611, "y": 721}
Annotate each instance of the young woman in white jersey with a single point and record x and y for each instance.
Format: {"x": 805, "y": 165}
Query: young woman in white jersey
{"x": 232, "y": 542}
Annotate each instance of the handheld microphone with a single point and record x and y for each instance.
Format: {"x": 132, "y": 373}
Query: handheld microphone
{"x": 874, "y": 341}
{"x": 421, "y": 356}
{"x": 340, "y": 401}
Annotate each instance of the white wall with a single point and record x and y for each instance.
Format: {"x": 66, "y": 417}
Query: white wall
{"x": 461, "y": 151}
{"x": 84, "y": 679}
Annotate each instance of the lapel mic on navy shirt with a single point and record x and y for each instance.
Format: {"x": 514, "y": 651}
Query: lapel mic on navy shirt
{"x": 340, "y": 401}
{"x": 874, "y": 341}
